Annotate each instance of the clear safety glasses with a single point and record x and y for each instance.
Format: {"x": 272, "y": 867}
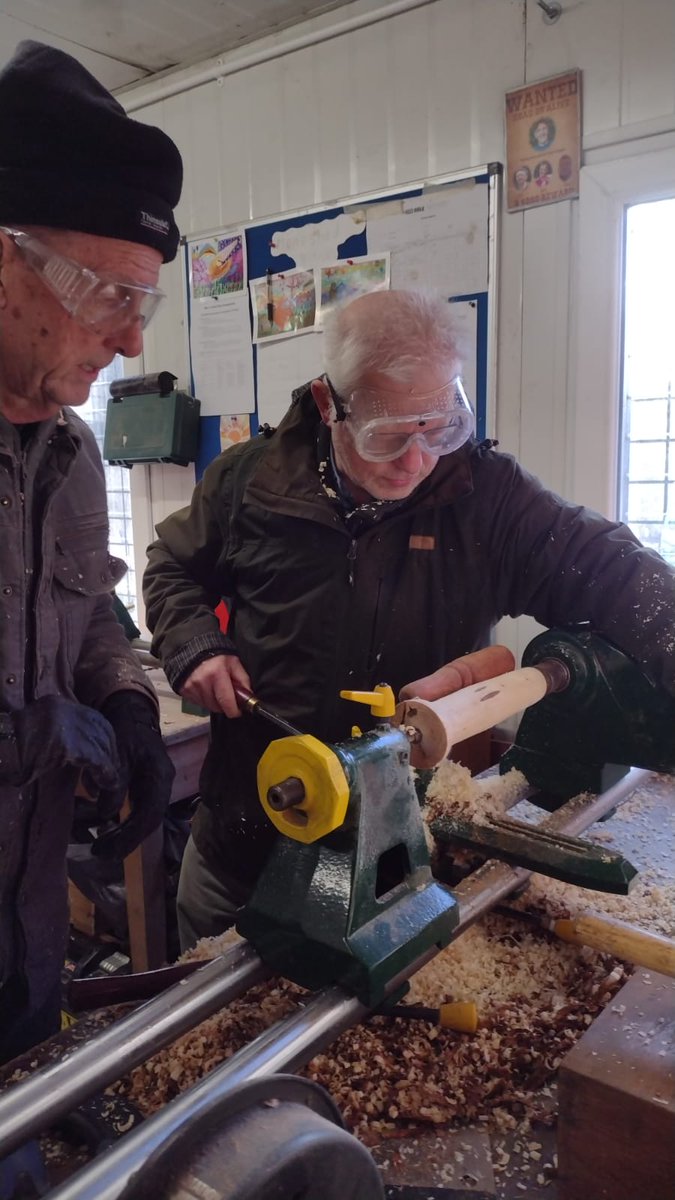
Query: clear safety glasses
{"x": 443, "y": 422}
{"x": 104, "y": 305}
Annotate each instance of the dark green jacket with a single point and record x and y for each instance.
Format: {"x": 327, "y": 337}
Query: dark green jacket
{"x": 316, "y": 608}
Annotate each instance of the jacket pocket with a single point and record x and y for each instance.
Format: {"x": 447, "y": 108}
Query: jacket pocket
{"x": 82, "y": 562}
{"x": 83, "y": 570}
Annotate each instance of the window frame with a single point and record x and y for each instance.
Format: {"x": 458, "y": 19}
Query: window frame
{"x": 645, "y": 172}
{"x": 140, "y": 510}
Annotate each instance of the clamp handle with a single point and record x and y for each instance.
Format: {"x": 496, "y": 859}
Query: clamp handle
{"x": 381, "y": 701}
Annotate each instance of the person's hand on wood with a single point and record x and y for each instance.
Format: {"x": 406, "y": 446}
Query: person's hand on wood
{"x": 460, "y": 673}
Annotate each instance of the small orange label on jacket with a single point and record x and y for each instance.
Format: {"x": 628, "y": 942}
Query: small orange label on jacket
{"x": 419, "y": 541}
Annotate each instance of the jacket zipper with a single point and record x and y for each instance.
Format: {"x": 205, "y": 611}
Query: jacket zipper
{"x": 29, "y": 662}
{"x": 351, "y": 559}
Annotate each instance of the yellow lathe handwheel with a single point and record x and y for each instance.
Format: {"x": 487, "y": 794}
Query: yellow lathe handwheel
{"x": 323, "y": 807}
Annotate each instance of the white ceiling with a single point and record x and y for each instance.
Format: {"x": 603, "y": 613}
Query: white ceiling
{"x": 121, "y": 41}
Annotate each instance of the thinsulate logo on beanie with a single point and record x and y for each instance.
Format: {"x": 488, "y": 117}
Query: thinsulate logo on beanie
{"x": 157, "y": 224}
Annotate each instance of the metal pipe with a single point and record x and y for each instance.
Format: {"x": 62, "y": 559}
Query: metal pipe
{"x": 33, "y": 1104}
{"x": 283, "y": 1047}
{"x": 251, "y": 704}
{"x": 141, "y": 94}
{"x": 556, "y": 673}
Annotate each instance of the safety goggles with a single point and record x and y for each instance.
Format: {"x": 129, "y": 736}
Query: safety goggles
{"x": 381, "y": 432}
{"x": 104, "y": 305}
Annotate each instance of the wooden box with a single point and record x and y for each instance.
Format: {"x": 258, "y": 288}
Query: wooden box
{"x": 616, "y": 1131}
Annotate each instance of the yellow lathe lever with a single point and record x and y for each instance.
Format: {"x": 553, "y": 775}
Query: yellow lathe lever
{"x": 381, "y": 701}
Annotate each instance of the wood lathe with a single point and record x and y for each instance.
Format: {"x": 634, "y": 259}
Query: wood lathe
{"x": 348, "y": 907}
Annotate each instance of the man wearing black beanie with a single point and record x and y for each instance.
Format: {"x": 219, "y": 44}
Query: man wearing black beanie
{"x": 86, "y": 220}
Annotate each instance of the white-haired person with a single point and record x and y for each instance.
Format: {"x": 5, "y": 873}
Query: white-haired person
{"x": 369, "y": 538}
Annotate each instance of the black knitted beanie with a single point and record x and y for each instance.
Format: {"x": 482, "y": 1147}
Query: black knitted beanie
{"x": 71, "y": 158}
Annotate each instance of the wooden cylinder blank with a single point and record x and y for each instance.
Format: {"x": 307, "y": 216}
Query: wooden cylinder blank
{"x": 441, "y": 723}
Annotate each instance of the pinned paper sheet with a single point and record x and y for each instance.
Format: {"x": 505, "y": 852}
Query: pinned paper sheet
{"x": 283, "y": 366}
{"x": 218, "y": 266}
{"x": 348, "y": 278}
{"x": 234, "y": 429}
{"x": 220, "y": 354}
{"x": 283, "y": 304}
{"x": 317, "y": 241}
{"x": 437, "y": 239}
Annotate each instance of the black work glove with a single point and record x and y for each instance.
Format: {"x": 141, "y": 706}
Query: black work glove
{"x": 146, "y": 774}
{"x": 52, "y": 733}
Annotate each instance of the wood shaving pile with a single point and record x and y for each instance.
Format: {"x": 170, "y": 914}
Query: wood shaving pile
{"x": 650, "y": 904}
{"x": 453, "y": 791}
{"x": 535, "y": 996}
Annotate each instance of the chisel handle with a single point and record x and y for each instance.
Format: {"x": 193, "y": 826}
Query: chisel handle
{"x": 625, "y": 941}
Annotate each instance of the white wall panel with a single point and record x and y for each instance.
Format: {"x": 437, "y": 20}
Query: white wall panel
{"x": 264, "y": 116}
{"x": 208, "y": 153}
{"x": 332, "y": 165}
{"x": 510, "y": 359}
{"x": 408, "y": 46}
{"x": 475, "y": 54}
{"x": 543, "y": 434}
{"x": 299, "y": 134}
{"x": 170, "y": 490}
{"x": 235, "y": 151}
{"x": 587, "y": 36}
{"x": 418, "y": 94}
{"x": 648, "y": 75}
{"x": 367, "y": 103}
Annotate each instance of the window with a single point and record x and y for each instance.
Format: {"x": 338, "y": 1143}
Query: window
{"x": 118, "y": 484}
{"x": 647, "y": 463}
{"x": 609, "y": 188}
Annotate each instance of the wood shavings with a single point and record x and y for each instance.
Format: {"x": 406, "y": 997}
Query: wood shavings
{"x": 454, "y": 792}
{"x": 535, "y": 998}
{"x": 158, "y": 1080}
{"x": 649, "y": 906}
{"x": 211, "y": 947}
{"x": 390, "y": 1075}
{"x": 535, "y": 994}
{"x": 632, "y": 828}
